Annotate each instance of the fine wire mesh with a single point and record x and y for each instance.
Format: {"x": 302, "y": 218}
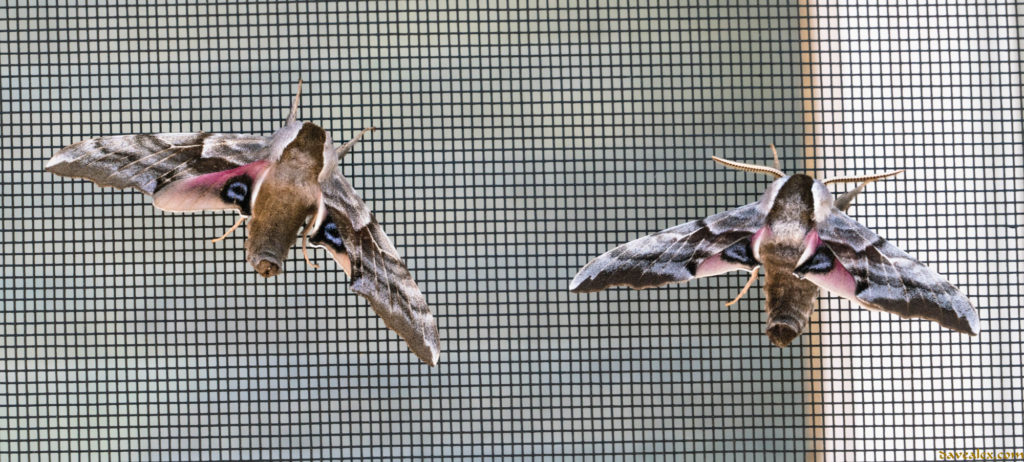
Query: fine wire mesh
{"x": 514, "y": 144}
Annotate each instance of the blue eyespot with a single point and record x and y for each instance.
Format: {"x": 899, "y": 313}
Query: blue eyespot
{"x": 821, "y": 262}
{"x": 237, "y": 191}
{"x": 740, "y": 253}
{"x": 332, "y": 235}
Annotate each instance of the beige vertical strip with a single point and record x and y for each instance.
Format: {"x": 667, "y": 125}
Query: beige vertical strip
{"x": 813, "y": 362}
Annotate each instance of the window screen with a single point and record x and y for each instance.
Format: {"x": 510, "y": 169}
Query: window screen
{"x": 515, "y": 143}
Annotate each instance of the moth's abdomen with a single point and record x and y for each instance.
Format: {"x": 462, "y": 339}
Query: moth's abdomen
{"x": 278, "y": 214}
{"x": 269, "y": 241}
{"x": 789, "y": 303}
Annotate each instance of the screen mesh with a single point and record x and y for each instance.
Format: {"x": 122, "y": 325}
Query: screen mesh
{"x": 515, "y": 143}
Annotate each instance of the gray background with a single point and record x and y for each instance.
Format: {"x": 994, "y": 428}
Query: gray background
{"x": 515, "y": 144}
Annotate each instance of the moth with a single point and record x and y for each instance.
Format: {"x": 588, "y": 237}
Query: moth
{"x": 803, "y": 238}
{"x": 281, "y": 183}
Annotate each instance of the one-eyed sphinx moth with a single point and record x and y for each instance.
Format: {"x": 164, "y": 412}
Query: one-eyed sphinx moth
{"x": 804, "y": 240}
{"x": 279, "y": 181}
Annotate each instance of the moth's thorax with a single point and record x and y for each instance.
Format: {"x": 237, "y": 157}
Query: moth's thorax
{"x": 789, "y": 216}
{"x": 793, "y": 205}
{"x": 304, "y": 155}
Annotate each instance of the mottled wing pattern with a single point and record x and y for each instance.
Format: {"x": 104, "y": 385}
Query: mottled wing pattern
{"x": 150, "y": 162}
{"x": 885, "y": 278}
{"x": 714, "y": 245}
{"x": 354, "y": 238}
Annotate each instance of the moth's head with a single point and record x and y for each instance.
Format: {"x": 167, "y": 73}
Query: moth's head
{"x": 311, "y": 140}
{"x": 801, "y": 190}
{"x": 294, "y": 127}
{"x": 303, "y": 137}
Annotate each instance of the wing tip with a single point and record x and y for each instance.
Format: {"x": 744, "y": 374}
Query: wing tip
{"x": 435, "y": 358}
{"x": 53, "y": 162}
{"x": 973, "y": 323}
{"x": 60, "y": 157}
{"x": 428, "y": 349}
{"x": 960, "y": 318}
{"x": 967, "y": 320}
{"x": 967, "y": 326}
{"x": 574, "y": 286}
{"x": 583, "y": 284}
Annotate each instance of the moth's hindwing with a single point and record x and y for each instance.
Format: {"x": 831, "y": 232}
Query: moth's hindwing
{"x": 230, "y": 189}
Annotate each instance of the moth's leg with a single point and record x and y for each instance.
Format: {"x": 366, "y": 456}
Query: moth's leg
{"x": 345, "y": 148}
{"x": 846, "y": 200}
{"x": 305, "y": 236}
{"x": 775, "y": 154}
{"x": 295, "y": 105}
{"x": 750, "y": 282}
{"x": 233, "y": 228}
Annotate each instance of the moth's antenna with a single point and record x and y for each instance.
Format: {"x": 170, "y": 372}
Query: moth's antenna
{"x": 864, "y": 178}
{"x": 844, "y": 201}
{"x": 775, "y": 154}
{"x": 305, "y": 235}
{"x": 749, "y": 168}
{"x": 295, "y": 105}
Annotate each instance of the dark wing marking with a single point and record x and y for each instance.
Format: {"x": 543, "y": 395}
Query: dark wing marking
{"x": 150, "y": 162}
{"x": 880, "y": 276}
{"x": 357, "y": 242}
{"x": 714, "y": 245}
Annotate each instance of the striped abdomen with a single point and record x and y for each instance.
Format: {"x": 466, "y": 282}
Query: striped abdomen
{"x": 789, "y": 301}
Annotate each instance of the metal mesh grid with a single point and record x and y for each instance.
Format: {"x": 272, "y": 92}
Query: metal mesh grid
{"x": 516, "y": 143}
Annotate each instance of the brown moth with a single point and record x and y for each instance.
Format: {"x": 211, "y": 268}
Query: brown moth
{"x": 804, "y": 240}
{"x": 279, "y": 181}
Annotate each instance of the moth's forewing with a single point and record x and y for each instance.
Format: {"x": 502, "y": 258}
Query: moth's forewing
{"x": 700, "y": 248}
{"x": 151, "y": 162}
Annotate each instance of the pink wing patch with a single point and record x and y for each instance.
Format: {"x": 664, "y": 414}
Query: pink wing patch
{"x": 224, "y": 190}
{"x": 755, "y": 242}
{"x": 811, "y": 243}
